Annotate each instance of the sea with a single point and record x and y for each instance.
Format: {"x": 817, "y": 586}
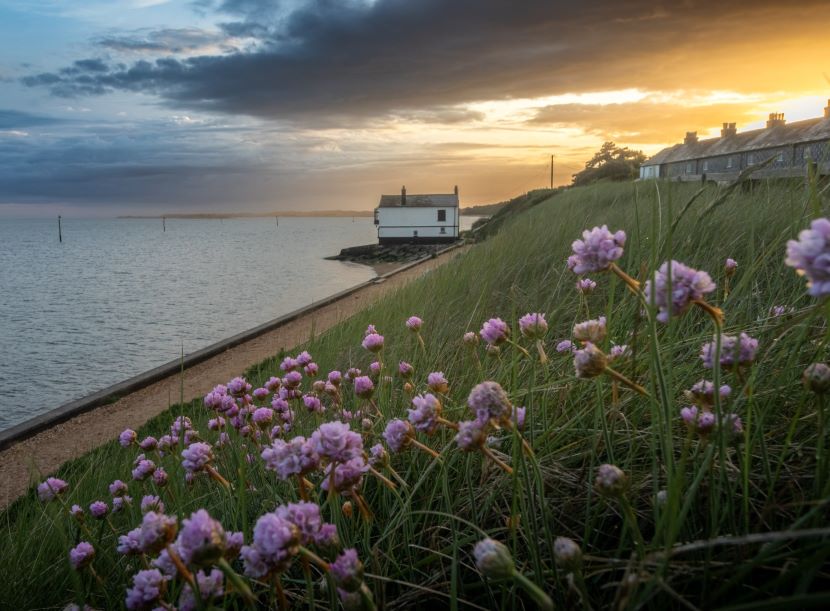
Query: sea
{"x": 120, "y": 296}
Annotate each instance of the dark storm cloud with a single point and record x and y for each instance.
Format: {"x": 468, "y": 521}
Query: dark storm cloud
{"x": 355, "y": 59}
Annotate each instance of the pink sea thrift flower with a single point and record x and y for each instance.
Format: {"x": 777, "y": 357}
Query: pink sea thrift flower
{"x": 413, "y": 323}
{"x": 292, "y": 380}
{"x": 313, "y": 404}
{"x": 347, "y": 475}
{"x": 375, "y": 368}
{"x": 533, "y": 326}
{"x": 197, "y": 457}
{"x": 99, "y": 510}
{"x": 347, "y": 571}
{"x": 119, "y": 503}
{"x": 397, "y": 434}
{"x": 211, "y": 587}
{"x": 495, "y": 331}
{"x": 437, "y": 382}
{"x": 586, "y": 286}
{"x": 470, "y": 338}
{"x": 736, "y": 351}
{"x": 148, "y": 587}
{"x": 730, "y": 266}
{"x": 118, "y": 488}
{"x": 471, "y": 436}
{"x": 157, "y": 531}
{"x": 290, "y": 458}
{"x": 698, "y": 421}
{"x": 81, "y": 555}
{"x": 611, "y": 480}
{"x": 143, "y": 470}
{"x": 151, "y": 502}
{"x": 565, "y": 346}
{"x": 275, "y": 542}
{"x": 364, "y": 387}
{"x": 426, "y": 413}
{"x": 304, "y": 358}
{"x": 201, "y": 540}
{"x": 127, "y": 438}
{"x": 336, "y": 442}
{"x": 687, "y": 286}
{"x": 596, "y": 251}
{"x": 263, "y": 416}
{"x": 373, "y": 342}
{"x": 309, "y": 522}
{"x": 405, "y": 369}
{"x": 593, "y": 331}
{"x": 335, "y": 377}
{"x": 488, "y": 401}
{"x": 810, "y": 256}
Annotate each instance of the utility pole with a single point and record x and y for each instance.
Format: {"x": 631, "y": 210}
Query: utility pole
{"x": 551, "y": 171}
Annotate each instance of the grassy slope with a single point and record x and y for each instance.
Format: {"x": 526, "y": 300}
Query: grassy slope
{"x": 424, "y": 535}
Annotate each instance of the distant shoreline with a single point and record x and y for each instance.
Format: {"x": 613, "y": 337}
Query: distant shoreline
{"x": 252, "y": 215}
{"x": 474, "y": 211}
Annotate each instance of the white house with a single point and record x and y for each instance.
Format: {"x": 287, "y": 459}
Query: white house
{"x": 417, "y": 218}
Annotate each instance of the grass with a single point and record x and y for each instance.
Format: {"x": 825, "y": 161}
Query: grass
{"x": 745, "y": 521}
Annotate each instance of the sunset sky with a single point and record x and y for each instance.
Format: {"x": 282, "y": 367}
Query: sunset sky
{"x": 150, "y": 106}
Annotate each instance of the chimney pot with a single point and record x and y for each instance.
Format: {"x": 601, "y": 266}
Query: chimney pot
{"x": 403, "y": 196}
{"x": 728, "y": 130}
{"x": 691, "y": 138}
{"x": 456, "y": 190}
{"x": 776, "y": 119}
{"x": 827, "y": 110}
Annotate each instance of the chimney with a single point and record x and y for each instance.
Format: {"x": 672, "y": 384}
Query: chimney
{"x": 728, "y": 129}
{"x": 691, "y": 138}
{"x": 827, "y": 110}
{"x": 403, "y": 196}
{"x": 776, "y": 119}
{"x": 456, "y": 186}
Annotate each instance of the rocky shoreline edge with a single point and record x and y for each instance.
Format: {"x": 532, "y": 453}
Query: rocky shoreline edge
{"x": 376, "y": 254}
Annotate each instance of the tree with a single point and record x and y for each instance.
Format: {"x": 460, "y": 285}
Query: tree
{"x": 611, "y": 162}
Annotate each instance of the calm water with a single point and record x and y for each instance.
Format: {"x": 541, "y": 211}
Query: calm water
{"x": 119, "y": 296}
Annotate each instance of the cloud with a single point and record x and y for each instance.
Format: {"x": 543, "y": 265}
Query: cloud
{"x": 646, "y": 121}
{"x": 164, "y": 41}
{"x": 11, "y": 119}
{"x": 353, "y": 59}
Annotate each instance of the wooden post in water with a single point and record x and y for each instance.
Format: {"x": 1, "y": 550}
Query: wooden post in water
{"x": 163, "y": 225}
{"x": 60, "y": 235}
{"x": 276, "y": 218}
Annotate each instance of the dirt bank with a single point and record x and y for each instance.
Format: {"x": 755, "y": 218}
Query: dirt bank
{"x": 41, "y": 454}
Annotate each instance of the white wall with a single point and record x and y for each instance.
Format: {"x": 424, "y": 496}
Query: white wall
{"x": 402, "y": 222}
{"x": 649, "y": 171}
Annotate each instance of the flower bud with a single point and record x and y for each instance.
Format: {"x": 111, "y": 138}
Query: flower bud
{"x": 567, "y": 554}
{"x": 366, "y": 424}
{"x": 347, "y": 509}
{"x": 611, "y": 480}
{"x": 590, "y": 361}
{"x": 471, "y": 339}
{"x": 817, "y": 378}
{"x": 492, "y": 350}
{"x": 493, "y": 559}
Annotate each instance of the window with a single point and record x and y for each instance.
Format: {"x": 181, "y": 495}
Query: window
{"x": 690, "y": 168}
{"x": 780, "y": 158}
{"x": 443, "y": 230}
{"x": 706, "y": 165}
{"x": 806, "y": 153}
{"x": 751, "y": 159}
{"x": 729, "y": 162}
{"x": 442, "y": 216}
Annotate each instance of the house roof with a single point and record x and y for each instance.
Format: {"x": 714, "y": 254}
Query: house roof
{"x": 440, "y": 200}
{"x": 757, "y": 139}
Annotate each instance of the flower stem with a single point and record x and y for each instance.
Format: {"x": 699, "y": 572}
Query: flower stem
{"x": 447, "y": 423}
{"x": 624, "y": 380}
{"x": 238, "y": 583}
{"x": 633, "y": 284}
{"x": 535, "y": 592}
{"x": 425, "y": 448}
{"x": 631, "y": 518}
{"x": 715, "y": 313}
{"x": 386, "y": 481}
{"x": 314, "y": 559}
{"x": 489, "y": 454}
{"x": 214, "y": 474}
